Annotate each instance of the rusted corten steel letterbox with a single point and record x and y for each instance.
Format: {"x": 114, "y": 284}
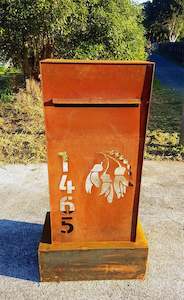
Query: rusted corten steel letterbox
{"x": 95, "y": 115}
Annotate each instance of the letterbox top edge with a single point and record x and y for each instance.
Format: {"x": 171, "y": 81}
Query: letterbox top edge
{"x": 108, "y": 62}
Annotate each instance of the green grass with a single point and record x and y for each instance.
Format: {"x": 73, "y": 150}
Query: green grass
{"x": 163, "y": 132}
{"x": 22, "y": 136}
{"x": 10, "y": 70}
{"x": 2, "y": 70}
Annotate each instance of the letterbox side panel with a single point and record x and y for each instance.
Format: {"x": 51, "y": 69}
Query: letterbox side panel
{"x": 92, "y": 83}
{"x": 144, "y": 112}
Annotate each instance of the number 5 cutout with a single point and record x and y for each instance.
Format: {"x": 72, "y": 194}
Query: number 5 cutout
{"x": 69, "y": 225}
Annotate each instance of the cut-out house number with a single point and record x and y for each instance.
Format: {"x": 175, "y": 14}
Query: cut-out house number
{"x": 67, "y": 206}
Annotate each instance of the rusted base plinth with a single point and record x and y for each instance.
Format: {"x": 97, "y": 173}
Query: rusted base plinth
{"x": 92, "y": 260}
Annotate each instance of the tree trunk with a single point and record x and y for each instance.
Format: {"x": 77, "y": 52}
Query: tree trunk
{"x": 25, "y": 63}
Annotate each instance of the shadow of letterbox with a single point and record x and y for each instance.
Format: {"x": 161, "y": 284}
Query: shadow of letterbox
{"x": 18, "y": 249}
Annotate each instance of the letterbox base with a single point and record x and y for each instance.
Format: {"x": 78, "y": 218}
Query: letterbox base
{"x": 92, "y": 260}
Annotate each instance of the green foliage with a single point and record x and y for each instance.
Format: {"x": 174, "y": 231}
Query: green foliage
{"x": 5, "y": 89}
{"x": 164, "y": 20}
{"x": 6, "y": 95}
{"x": 8, "y": 70}
{"x": 35, "y": 29}
{"x": 24, "y": 26}
{"x": 9, "y": 83}
{"x": 113, "y": 30}
{"x": 2, "y": 70}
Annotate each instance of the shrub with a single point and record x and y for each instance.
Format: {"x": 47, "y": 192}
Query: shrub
{"x": 33, "y": 30}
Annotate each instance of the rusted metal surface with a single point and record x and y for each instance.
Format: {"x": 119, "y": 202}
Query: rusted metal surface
{"x": 92, "y": 261}
{"x": 95, "y": 113}
{"x": 90, "y": 82}
{"x": 94, "y": 218}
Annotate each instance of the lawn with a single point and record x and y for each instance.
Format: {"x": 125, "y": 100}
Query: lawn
{"x": 22, "y": 138}
{"x": 163, "y": 134}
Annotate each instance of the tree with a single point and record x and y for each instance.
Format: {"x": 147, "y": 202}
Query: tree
{"x": 114, "y": 31}
{"x": 175, "y": 20}
{"x": 28, "y": 29}
{"x": 164, "y": 19}
{"x": 35, "y": 29}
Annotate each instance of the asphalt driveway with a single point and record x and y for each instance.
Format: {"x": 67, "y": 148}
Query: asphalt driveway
{"x": 169, "y": 73}
{"x": 24, "y": 203}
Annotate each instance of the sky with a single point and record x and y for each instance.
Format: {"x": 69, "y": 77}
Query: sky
{"x": 141, "y": 1}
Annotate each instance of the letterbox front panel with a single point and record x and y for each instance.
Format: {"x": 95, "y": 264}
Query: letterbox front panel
{"x": 95, "y": 151}
{"x": 93, "y": 137}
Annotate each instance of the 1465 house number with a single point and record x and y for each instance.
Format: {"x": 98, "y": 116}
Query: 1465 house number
{"x": 67, "y": 206}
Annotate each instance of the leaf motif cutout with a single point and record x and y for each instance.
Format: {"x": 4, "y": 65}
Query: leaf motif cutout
{"x": 95, "y": 179}
{"x": 121, "y": 188}
{"x": 104, "y": 188}
{"x": 117, "y": 187}
{"x": 107, "y": 187}
{"x": 97, "y": 168}
{"x": 107, "y": 193}
{"x": 88, "y": 184}
{"x": 124, "y": 181}
{"x": 110, "y": 196}
{"x": 106, "y": 181}
{"x": 120, "y": 184}
{"x": 119, "y": 171}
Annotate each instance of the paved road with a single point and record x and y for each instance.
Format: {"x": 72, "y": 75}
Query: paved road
{"x": 169, "y": 73}
{"x": 24, "y": 202}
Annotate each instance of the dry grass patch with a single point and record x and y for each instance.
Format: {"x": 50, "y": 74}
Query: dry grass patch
{"x": 22, "y": 137}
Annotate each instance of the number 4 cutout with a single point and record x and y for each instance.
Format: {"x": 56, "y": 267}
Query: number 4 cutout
{"x": 66, "y": 185}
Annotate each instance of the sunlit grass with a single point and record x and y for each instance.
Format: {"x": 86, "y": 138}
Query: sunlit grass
{"x": 163, "y": 134}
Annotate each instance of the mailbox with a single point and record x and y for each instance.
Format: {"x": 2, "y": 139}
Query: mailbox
{"x": 95, "y": 117}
